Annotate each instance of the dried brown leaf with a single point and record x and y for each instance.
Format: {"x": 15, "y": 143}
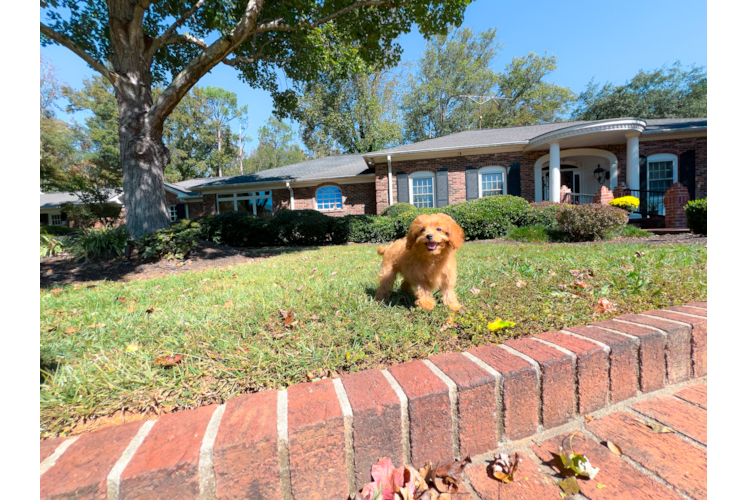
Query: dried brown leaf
{"x": 614, "y": 448}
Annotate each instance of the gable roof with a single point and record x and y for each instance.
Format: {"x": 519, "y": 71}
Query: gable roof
{"x": 330, "y": 167}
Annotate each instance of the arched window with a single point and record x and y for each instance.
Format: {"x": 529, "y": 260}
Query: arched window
{"x": 662, "y": 172}
{"x": 421, "y": 185}
{"x": 329, "y": 198}
{"x": 491, "y": 181}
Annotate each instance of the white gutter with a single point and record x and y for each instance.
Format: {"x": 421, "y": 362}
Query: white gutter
{"x": 288, "y": 185}
{"x": 389, "y": 177}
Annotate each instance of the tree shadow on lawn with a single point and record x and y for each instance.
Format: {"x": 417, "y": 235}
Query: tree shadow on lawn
{"x": 60, "y": 270}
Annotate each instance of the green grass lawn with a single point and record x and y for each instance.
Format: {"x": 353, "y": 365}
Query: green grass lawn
{"x": 99, "y": 344}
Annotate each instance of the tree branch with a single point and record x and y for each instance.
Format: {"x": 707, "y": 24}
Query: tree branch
{"x": 166, "y": 35}
{"x": 67, "y": 42}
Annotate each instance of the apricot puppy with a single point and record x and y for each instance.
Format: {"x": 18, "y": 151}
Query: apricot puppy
{"x": 426, "y": 259}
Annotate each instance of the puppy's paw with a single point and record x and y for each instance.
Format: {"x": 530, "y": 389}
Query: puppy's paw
{"x": 454, "y": 306}
{"x": 382, "y": 296}
{"x": 426, "y": 303}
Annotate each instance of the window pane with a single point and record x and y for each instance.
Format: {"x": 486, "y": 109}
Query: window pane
{"x": 492, "y": 184}
{"x": 660, "y": 175}
{"x": 172, "y": 213}
{"x": 225, "y": 206}
{"x": 225, "y": 196}
{"x": 423, "y": 193}
{"x": 329, "y": 198}
{"x": 244, "y": 194}
{"x": 264, "y": 207}
{"x": 244, "y": 206}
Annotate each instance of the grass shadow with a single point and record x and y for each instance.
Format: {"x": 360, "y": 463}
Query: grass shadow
{"x": 398, "y": 298}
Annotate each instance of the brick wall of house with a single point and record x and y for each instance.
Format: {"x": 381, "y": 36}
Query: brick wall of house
{"x": 358, "y": 199}
{"x": 457, "y": 165}
{"x": 206, "y": 206}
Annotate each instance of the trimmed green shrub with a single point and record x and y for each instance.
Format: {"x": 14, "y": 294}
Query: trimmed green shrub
{"x": 174, "y": 243}
{"x": 535, "y": 233}
{"x": 238, "y": 229}
{"x": 489, "y": 217}
{"x": 371, "y": 228}
{"x": 56, "y": 230}
{"x": 543, "y": 214}
{"x": 397, "y": 209}
{"x": 589, "y": 222}
{"x": 696, "y": 216}
{"x": 101, "y": 243}
{"x": 304, "y": 227}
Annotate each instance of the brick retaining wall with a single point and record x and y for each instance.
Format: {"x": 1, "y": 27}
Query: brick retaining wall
{"x": 319, "y": 440}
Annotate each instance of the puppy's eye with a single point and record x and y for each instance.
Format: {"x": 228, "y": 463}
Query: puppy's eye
{"x": 438, "y": 229}
{"x": 422, "y": 230}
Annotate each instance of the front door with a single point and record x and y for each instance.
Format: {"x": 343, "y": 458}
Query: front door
{"x": 569, "y": 178}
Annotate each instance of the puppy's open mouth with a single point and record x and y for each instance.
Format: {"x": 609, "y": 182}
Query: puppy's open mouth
{"x": 431, "y": 246}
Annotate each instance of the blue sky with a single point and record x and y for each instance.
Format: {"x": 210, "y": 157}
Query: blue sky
{"x": 607, "y": 41}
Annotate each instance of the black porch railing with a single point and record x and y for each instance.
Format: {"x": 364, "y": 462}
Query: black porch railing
{"x": 651, "y": 203}
{"x": 578, "y": 198}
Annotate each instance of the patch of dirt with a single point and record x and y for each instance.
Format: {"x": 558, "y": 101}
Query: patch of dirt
{"x": 64, "y": 269}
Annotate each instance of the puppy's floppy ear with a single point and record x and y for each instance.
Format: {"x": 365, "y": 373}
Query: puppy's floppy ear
{"x": 415, "y": 229}
{"x": 456, "y": 234}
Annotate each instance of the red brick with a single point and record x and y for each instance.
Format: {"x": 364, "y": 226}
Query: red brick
{"x": 592, "y": 369}
{"x": 316, "y": 441}
{"x": 167, "y": 459}
{"x": 621, "y": 480}
{"x": 700, "y": 305}
{"x": 82, "y": 470}
{"x": 677, "y": 345}
{"x": 557, "y": 380}
{"x": 519, "y": 388}
{"x": 695, "y": 394}
{"x": 429, "y": 411}
{"x": 245, "y": 453}
{"x": 624, "y": 381}
{"x": 48, "y": 446}
{"x": 675, "y": 460}
{"x": 698, "y": 337}
{"x": 529, "y": 482}
{"x": 377, "y": 421}
{"x": 680, "y": 415}
{"x": 687, "y": 310}
{"x": 476, "y": 403}
{"x": 652, "y": 371}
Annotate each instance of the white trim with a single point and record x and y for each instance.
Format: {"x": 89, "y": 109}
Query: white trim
{"x": 253, "y": 197}
{"x": 389, "y": 178}
{"x": 662, "y": 157}
{"x": 334, "y": 209}
{"x": 422, "y": 174}
{"x": 492, "y": 170}
{"x": 269, "y": 186}
{"x": 622, "y": 124}
{"x": 175, "y": 217}
{"x": 612, "y": 159}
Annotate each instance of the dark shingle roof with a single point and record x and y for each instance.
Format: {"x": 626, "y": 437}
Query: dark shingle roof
{"x": 54, "y": 200}
{"x": 663, "y": 124}
{"x": 322, "y": 168}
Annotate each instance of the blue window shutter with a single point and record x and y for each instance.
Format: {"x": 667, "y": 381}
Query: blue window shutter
{"x": 514, "y": 183}
{"x": 403, "y": 194}
{"x": 442, "y": 188}
{"x": 471, "y": 183}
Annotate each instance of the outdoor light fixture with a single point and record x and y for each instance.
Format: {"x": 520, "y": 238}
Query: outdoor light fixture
{"x": 601, "y": 174}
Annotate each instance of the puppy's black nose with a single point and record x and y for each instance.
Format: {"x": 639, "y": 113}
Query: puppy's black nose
{"x": 429, "y": 236}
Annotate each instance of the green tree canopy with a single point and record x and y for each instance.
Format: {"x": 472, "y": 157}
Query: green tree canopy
{"x": 460, "y": 64}
{"x": 350, "y": 115}
{"x": 275, "y": 147}
{"x": 674, "y": 92}
{"x": 138, "y": 44}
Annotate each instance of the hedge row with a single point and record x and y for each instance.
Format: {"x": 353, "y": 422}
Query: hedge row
{"x": 485, "y": 218}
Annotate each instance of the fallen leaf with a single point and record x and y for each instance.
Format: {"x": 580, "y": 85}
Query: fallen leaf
{"x": 71, "y": 330}
{"x": 288, "y": 317}
{"x": 474, "y": 291}
{"x": 314, "y": 317}
{"x": 599, "y": 485}
{"x": 504, "y": 466}
{"x": 149, "y": 311}
{"x": 498, "y": 324}
{"x": 228, "y": 303}
{"x": 614, "y": 448}
{"x": 604, "y": 306}
{"x": 574, "y": 272}
{"x": 300, "y": 289}
{"x": 521, "y": 283}
{"x": 450, "y": 323}
{"x": 551, "y": 273}
{"x": 132, "y": 347}
{"x": 168, "y": 361}
{"x": 655, "y": 427}
{"x": 492, "y": 285}
{"x": 131, "y": 308}
{"x": 452, "y": 474}
{"x": 122, "y": 299}
{"x": 569, "y": 485}
{"x": 639, "y": 254}
{"x": 581, "y": 284}
{"x": 333, "y": 273}
{"x": 56, "y": 290}
{"x": 313, "y": 270}
{"x": 588, "y": 418}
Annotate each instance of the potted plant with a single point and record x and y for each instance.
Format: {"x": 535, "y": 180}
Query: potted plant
{"x": 628, "y": 203}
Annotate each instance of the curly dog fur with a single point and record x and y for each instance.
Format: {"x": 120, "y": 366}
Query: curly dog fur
{"x": 426, "y": 259}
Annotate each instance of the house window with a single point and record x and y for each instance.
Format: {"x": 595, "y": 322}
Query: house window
{"x": 422, "y": 189}
{"x": 257, "y": 203}
{"x": 172, "y": 213}
{"x": 56, "y": 219}
{"x": 662, "y": 171}
{"x": 329, "y": 198}
{"x": 492, "y": 181}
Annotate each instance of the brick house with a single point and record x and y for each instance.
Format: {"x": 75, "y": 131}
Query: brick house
{"x": 536, "y": 162}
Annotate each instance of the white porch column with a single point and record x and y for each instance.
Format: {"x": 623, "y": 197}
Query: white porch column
{"x": 554, "y": 173}
{"x": 632, "y": 160}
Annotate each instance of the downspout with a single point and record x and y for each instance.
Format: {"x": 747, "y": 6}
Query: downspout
{"x": 288, "y": 185}
{"x": 389, "y": 177}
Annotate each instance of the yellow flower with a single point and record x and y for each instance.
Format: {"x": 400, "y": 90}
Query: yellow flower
{"x": 499, "y": 324}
